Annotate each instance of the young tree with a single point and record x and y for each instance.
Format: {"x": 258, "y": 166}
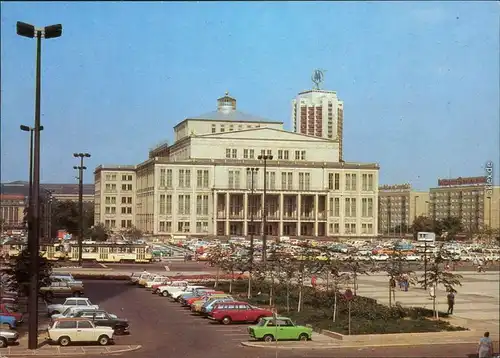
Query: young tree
{"x": 395, "y": 267}
{"x": 308, "y": 264}
{"x": 437, "y": 275}
{"x": 356, "y": 268}
{"x": 98, "y": 232}
{"x": 20, "y": 269}
{"x": 333, "y": 268}
{"x": 133, "y": 233}
{"x": 216, "y": 256}
{"x": 288, "y": 268}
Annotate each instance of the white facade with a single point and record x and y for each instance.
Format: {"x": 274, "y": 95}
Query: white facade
{"x": 201, "y": 185}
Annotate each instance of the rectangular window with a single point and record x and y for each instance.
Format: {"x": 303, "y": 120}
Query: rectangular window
{"x": 307, "y": 182}
{"x": 337, "y": 181}
{"x": 124, "y": 223}
{"x": 337, "y": 207}
{"x": 214, "y": 128}
{"x": 129, "y": 178}
{"x": 364, "y": 207}
{"x": 297, "y": 155}
{"x": 303, "y": 155}
{"x": 301, "y": 181}
{"x": 347, "y": 212}
{"x": 252, "y": 154}
{"x": 370, "y": 182}
{"x": 205, "y": 178}
{"x": 124, "y": 178}
{"x": 124, "y": 200}
{"x": 129, "y": 210}
{"x": 280, "y": 154}
{"x": 270, "y": 180}
{"x": 336, "y": 228}
{"x": 168, "y": 226}
{"x": 364, "y": 182}
{"x": 162, "y": 204}
{"x": 234, "y": 153}
{"x": 354, "y": 182}
{"x": 290, "y": 181}
{"x": 245, "y": 156}
{"x": 124, "y": 210}
{"x": 370, "y": 207}
{"x": 228, "y": 153}
{"x": 330, "y": 181}
{"x": 353, "y": 207}
{"x": 199, "y": 178}
{"x": 283, "y": 181}
{"x": 199, "y": 204}
{"x": 262, "y": 152}
{"x": 124, "y": 187}
{"x": 168, "y": 205}
{"x": 269, "y": 152}
{"x": 162, "y": 178}
{"x": 222, "y": 129}
{"x": 169, "y": 178}
{"x": 234, "y": 179}
{"x": 348, "y": 182}
{"x": 286, "y": 154}
{"x": 188, "y": 178}
{"x": 162, "y": 226}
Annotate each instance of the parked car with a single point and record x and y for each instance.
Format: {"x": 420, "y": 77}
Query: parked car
{"x": 5, "y": 310}
{"x": 61, "y": 288}
{"x": 136, "y": 276}
{"x": 67, "y": 330}
{"x": 281, "y": 328}
{"x": 412, "y": 258}
{"x": 67, "y": 277}
{"x": 204, "y": 296}
{"x": 164, "y": 290}
{"x": 175, "y": 294}
{"x": 70, "y": 302}
{"x": 103, "y": 318}
{"x": 69, "y": 312}
{"x": 210, "y": 304}
{"x": 229, "y": 312}
{"x": 156, "y": 280}
{"x": 197, "y": 305}
{"x": 7, "y": 322}
{"x": 8, "y": 337}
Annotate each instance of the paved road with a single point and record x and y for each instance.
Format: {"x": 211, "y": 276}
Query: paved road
{"x": 167, "y": 330}
{"x": 180, "y": 266}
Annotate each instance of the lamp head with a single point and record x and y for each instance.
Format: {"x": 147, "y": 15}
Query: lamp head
{"x": 270, "y": 157}
{"x": 260, "y": 157}
{"x": 53, "y": 31}
{"x": 25, "y": 128}
{"x": 87, "y": 155}
{"x": 25, "y": 30}
{"x": 75, "y": 167}
{"x": 75, "y": 155}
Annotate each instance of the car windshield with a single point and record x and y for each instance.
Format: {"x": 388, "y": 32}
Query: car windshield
{"x": 262, "y": 323}
{"x": 67, "y": 311}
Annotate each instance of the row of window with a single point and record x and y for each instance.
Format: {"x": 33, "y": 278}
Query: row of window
{"x": 112, "y": 210}
{"x": 350, "y": 228}
{"x": 350, "y": 209}
{"x": 112, "y": 200}
{"x": 111, "y": 224}
{"x": 183, "y": 226}
{"x": 232, "y": 153}
{"x": 183, "y": 205}
{"x": 114, "y": 177}
{"x": 112, "y": 187}
{"x": 350, "y": 181}
{"x": 184, "y": 178}
{"x": 232, "y": 127}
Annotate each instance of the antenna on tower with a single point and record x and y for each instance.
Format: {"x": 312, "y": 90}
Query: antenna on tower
{"x": 318, "y": 78}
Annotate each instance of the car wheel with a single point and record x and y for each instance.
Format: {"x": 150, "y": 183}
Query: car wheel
{"x": 226, "y": 320}
{"x": 64, "y": 341}
{"x": 3, "y": 342}
{"x": 303, "y": 337}
{"x": 103, "y": 340}
{"x": 164, "y": 294}
{"x": 268, "y": 338}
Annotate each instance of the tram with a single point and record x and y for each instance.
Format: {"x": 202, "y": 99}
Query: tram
{"x": 111, "y": 253}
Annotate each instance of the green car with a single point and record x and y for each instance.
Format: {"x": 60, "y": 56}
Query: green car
{"x": 281, "y": 328}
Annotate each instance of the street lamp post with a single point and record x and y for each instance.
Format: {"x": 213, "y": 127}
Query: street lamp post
{"x": 81, "y": 168}
{"x": 47, "y": 32}
{"x": 251, "y": 172}
{"x": 265, "y": 158}
{"x": 31, "y": 130}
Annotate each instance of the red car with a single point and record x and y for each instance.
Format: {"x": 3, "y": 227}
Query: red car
{"x": 5, "y": 310}
{"x": 228, "y": 312}
{"x": 205, "y": 295}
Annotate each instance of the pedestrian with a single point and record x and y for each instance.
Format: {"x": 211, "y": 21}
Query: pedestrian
{"x": 451, "y": 301}
{"x": 485, "y": 347}
{"x": 392, "y": 287}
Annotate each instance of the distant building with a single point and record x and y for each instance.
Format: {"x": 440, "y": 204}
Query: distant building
{"x": 472, "y": 199}
{"x": 12, "y": 211}
{"x": 399, "y": 205}
{"x": 58, "y": 191}
{"x": 201, "y": 185}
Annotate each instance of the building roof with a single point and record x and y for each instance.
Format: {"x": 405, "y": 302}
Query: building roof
{"x": 22, "y": 188}
{"x": 231, "y": 116}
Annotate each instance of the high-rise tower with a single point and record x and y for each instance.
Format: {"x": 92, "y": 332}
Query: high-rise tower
{"x": 319, "y": 113}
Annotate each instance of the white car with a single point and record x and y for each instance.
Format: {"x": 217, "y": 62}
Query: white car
{"x": 67, "y": 330}
{"x": 164, "y": 290}
{"x": 382, "y": 257}
{"x": 412, "y": 258}
{"x": 175, "y": 294}
{"x": 82, "y": 302}
{"x": 69, "y": 312}
{"x": 156, "y": 280}
{"x": 135, "y": 277}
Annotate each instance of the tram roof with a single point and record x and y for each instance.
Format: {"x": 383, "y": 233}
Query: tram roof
{"x": 104, "y": 244}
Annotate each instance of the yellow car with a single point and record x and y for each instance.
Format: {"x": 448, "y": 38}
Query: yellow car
{"x": 198, "y": 304}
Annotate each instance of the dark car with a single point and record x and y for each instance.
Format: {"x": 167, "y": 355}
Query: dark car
{"x": 103, "y": 318}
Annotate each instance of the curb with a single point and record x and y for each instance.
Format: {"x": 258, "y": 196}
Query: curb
{"x": 341, "y": 346}
{"x": 40, "y": 353}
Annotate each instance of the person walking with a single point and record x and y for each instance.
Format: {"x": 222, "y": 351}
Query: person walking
{"x": 451, "y": 302}
{"x": 485, "y": 347}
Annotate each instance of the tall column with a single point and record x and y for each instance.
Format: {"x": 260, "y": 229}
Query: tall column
{"x": 316, "y": 215}
{"x": 245, "y": 214}
{"x": 214, "y": 213}
{"x": 227, "y": 215}
{"x": 299, "y": 204}
{"x": 281, "y": 209}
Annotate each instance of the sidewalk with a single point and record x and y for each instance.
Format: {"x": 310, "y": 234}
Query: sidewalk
{"x": 49, "y": 350}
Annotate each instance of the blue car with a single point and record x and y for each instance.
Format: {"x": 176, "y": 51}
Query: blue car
{"x": 209, "y": 306}
{"x": 8, "y": 322}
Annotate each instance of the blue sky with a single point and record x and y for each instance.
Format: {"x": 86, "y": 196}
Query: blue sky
{"x": 420, "y": 81}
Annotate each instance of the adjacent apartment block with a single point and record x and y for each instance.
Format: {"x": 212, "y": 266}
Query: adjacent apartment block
{"x": 399, "y": 205}
{"x": 319, "y": 113}
{"x": 202, "y": 184}
{"x": 472, "y": 199}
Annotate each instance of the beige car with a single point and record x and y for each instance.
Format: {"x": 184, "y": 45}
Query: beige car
{"x": 68, "y": 330}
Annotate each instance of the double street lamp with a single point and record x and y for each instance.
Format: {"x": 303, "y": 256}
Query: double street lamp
{"x": 81, "y": 168}
{"x": 251, "y": 172}
{"x": 265, "y": 158}
{"x": 47, "y": 32}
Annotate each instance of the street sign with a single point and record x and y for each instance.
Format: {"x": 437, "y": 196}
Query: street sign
{"x": 348, "y": 295}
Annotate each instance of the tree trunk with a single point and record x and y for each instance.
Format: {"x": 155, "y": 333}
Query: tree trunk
{"x": 249, "y": 293}
{"x": 217, "y": 278}
{"x": 335, "y": 304}
{"x": 231, "y": 282}
{"x": 355, "y": 283}
{"x": 271, "y": 290}
{"x": 390, "y": 294}
{"x": 288, "y": 297}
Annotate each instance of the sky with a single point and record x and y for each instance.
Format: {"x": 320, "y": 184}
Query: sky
{"x": 419, "y": 80}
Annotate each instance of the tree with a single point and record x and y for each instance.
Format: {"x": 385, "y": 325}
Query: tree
{"x": 437, "y": 275}
{"x": 422, "y": 224}
{"x": 66, "y": 216}
{"x": 450, "y": 227}
{"x": 288, "y": 268}
{"x": 355, "y": 268}
{"x": 395, "y": 267}
{"x": 230, "y": 262}
{"x": 132, "y": 233}
{"x": 20, "y": 269}
{"x": 215, "y": 257}
{"x": 333, "y": 269}
{"x": 308, "y": 264}
{"x": 98, "y": 232}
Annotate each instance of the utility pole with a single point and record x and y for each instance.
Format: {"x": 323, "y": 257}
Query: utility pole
{"x": 81, "y": 168}
{"x": 265, "y": 158}
{"x": 251, "y": 172}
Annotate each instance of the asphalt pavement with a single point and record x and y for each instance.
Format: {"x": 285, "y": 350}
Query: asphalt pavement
{"x": 164, "y": 329}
